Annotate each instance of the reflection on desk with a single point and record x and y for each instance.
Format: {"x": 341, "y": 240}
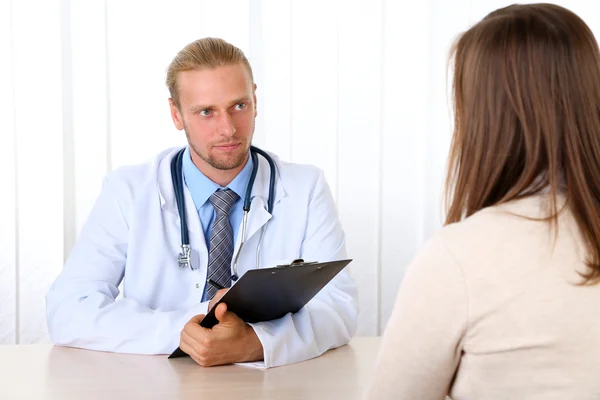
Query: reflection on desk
{"x": 48, "y": 372}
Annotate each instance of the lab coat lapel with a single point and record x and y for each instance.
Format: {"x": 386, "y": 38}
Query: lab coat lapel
{"x": 169, "y": 206}
{"x": 257, "y": 217}
{"x": 259, "y": 214}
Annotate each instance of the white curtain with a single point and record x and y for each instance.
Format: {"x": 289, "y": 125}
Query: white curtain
{"x": 356, "y": 87}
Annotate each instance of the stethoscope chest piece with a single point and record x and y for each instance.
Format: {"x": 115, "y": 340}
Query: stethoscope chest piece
{"x": 184, "y": 259}
{"x": 188, "y": 258}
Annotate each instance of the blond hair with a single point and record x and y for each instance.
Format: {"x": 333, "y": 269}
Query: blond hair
{"x": 205, "y": 53}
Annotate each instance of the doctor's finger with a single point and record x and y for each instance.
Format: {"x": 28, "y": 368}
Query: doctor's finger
{"x": 196, "y": 319}
{"x": 202, "y": 351}
{"x": 190, "y": 340}
{"x": 193, "y": 333}
{"x": 226, "y": 317}
{"x": 199, "y": 347}
{"x": 193, "y": 324}
{"x": 189, "y": 350}
{"x": 221, "y": 311}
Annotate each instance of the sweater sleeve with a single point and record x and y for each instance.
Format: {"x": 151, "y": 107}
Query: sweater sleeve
{"x": 422, "y": 344}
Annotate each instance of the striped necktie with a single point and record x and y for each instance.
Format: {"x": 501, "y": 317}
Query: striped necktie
{"x": 221, "y": 241}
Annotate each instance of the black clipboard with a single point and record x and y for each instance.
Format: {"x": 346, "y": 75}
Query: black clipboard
{"x": 271, "y": 293}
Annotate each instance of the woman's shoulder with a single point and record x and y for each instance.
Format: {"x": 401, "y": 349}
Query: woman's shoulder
{"x": 500, "y": 229}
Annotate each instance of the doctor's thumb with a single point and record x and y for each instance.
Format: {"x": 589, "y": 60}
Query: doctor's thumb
{"x": 221, "y": 313}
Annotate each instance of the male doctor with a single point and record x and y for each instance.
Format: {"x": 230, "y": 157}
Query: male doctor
{"x": 133, "y": 236}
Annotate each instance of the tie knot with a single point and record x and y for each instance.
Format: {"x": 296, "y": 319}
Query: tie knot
{"x": 223, "y": 200}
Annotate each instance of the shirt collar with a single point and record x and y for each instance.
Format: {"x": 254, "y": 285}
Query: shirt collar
{"x": 201, "y": 188}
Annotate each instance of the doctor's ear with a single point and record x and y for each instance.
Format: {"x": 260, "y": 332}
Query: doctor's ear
{"x": 255, "y": 102}
{"x": 176, "y": 115}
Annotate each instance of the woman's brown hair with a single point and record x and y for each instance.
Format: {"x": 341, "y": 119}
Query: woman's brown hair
{"x": 526, "y": 92}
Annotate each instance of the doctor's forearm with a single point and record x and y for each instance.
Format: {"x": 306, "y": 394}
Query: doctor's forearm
{"x": 328, "y": 321}
{"x": 97, "y": 322}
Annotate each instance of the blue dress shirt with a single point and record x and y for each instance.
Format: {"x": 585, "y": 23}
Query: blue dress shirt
{"x": 201, "y": 188}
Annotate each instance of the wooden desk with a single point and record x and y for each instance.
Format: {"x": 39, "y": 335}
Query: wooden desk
{"x": 48, "y": 372}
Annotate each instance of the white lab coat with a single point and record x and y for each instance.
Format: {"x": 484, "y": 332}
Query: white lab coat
{"x": 133, "y": 235}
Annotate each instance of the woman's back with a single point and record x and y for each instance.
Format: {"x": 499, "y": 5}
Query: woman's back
{"x": 531, "y": 331}
{"x": 495, "y": 298}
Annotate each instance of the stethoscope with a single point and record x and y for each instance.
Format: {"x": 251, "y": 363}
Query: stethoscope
{"x": 184, "y": 258}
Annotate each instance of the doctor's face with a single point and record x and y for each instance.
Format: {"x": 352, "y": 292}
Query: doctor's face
{"x": 217, "y": 108}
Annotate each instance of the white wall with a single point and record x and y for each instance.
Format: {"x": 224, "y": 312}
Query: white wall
{"x": 356, "y": 87}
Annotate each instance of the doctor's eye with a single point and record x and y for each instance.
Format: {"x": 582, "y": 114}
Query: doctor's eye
{"x": 205, "y": 113}
{"x": 240, "y": 106}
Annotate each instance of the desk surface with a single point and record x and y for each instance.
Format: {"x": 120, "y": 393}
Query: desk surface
{"x": 45, "y": 371}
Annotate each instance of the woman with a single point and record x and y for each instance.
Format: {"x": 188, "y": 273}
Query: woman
{"x": 503, "y": 303}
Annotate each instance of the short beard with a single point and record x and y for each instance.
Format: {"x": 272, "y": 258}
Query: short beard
{"x": 224, "y": 165}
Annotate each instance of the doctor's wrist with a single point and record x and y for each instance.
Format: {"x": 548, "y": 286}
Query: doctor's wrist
{"x": 253, "y": 344}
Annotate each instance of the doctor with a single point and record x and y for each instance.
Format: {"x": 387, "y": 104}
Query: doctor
{"x": 133, "y": 236}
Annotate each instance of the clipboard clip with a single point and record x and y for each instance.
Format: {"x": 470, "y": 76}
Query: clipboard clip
{"x": 297, "y": 263}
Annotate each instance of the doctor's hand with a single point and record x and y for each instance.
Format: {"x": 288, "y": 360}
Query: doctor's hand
{"x": 230, "y": 341}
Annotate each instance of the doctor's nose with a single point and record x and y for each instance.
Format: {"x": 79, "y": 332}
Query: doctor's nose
{"x": 225, "y": 125}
